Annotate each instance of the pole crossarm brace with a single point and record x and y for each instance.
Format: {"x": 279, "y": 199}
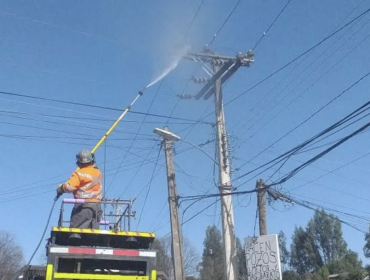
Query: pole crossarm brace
{"x": 229, "y": 66}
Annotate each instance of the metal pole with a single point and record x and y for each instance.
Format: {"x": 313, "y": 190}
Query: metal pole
{"x": 177, "y": 256}
{"x": 228, "y": 230}
{"x": 261, "y": 204}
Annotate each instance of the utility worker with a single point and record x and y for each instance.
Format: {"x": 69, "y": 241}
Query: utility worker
{"x": 85, "y": 183}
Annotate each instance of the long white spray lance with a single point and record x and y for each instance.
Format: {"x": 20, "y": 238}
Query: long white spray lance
{"x": 109, "y": 131}
{"x": 172, "y": 66}
{"x": 101, "y": 141}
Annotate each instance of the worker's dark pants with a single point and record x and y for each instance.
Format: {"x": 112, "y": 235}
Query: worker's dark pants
{"x": 86, "y": 215}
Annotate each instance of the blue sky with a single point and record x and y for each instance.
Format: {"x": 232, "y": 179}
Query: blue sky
{"x": 104, "y": 52}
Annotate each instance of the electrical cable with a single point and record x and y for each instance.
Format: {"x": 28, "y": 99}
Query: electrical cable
{"x": 160, "y": 212}
{"x": 42, "y": 236}
{"x": 204, "y": 196}
{"x": 271, "y": 25}
{"x": 149, "y": 187}
{"x": 315, "y": 158}
{"x": 224, "y": 23}
{"x": 298, "y": 57}
{"x": 340, "y": 206}
{"x": 200, "y": 212}
{"x": 91, "y": 105}
{"x": 193, "y": 19}
{"x": 345, "y": 56}
{"x": 309, "y": 146}
{"x": 128, "y": 166}
{"x": 332, "y": 171}
{"x": 133, "y": 141}
{"x": 316, "y": 207}
{"x": 305, "y": 143}
{"x": 314, "y": 114}
{"x": 263, "y": 104}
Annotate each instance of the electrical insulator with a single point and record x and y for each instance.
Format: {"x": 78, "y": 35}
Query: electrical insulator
{"x": 200, "y": 80}
{"x": 185, "y": 96}
{"x": 218, "y": 62}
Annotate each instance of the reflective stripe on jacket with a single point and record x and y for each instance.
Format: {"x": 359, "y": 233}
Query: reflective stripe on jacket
{"x": 85, "y": 183}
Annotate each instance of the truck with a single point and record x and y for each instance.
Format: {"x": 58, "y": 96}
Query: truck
{"x": 98, "y": 254}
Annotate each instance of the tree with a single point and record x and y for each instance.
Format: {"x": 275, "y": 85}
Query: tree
{"x": 349, "y": 266}
{"x": 367, "y": 245}
{"x": 290, "y": 275}
{"x": 11, "y": 256}
{"x": 241, "y": 261}
{"x": 304, "y": 254}
{"x": 320, "y": 244}
{"x": 212, "y": 264}
{"x": 163, "y": 260}
{"x": 326, "y": 231}
{"x": 191, "y": 257}
{"x": 284, "y": 253}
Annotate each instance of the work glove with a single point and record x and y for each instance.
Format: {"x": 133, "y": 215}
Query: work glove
{"x": 60, "y": 189}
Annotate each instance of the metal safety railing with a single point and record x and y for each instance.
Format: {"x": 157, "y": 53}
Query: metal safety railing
{"x": 117, "y": 218}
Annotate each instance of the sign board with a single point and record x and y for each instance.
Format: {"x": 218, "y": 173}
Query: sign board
{"x": 263, "y": 257}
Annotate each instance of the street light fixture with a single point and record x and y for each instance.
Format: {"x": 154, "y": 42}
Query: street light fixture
{"x": 167, "y": 135}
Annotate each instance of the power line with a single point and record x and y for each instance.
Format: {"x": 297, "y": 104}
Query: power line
{"x": 302, "y": 166}
{"x": 225, "y": 21}
{"x": 263, "y": 105}
{"x": 148, "y": 187}
{"x": 299, "y": 147}
{"x": 332, "y": 171}
{"x": 200, "y": 212}
{"x": 298, "y": 57}
{"x": 193, "y": 19}
{"x": 317, "y": 207}
{"x": 271, "y": 25}
{"x": 133, "y": 140}
{"x": 94, "y": 106}
{"x": 309, "y": 87}
{"x": 80, "y": 119}
{"x": 312, "y": 115}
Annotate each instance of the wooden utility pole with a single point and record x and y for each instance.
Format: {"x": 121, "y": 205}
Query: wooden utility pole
{"x": 177, "y": 255}
{"x": 261, "y": 204}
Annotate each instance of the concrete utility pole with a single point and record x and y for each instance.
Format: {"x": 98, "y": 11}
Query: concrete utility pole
{"x": 223, "y": 68}
{"x": 227, "y": 211}
{"x": 261, "y": 204}
{"x": 177, "y": 255}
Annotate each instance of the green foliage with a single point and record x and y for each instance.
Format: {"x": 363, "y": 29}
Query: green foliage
{"x": 241, "y": 261}
{"x": 320, "y": 244}
{"x": 367, "y": 245}
{"x": 320, "y": 250}
{"x": 212, "y": 264}
{"x": 349, "y": 266}
{"x": 284, "y": 253}
{"x": 305, "y": 256}
{"x": 290, "y": 275}
{"x": 326, "y": 231}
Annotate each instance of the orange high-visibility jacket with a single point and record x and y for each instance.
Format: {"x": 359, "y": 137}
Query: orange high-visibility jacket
{"x": 85, "y": 183}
